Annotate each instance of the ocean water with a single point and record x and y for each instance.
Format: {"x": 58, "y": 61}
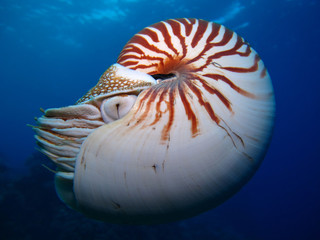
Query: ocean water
{"x": 52, "y": 52}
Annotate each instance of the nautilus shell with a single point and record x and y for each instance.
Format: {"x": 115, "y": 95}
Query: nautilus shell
{"x": 178, "y": 125}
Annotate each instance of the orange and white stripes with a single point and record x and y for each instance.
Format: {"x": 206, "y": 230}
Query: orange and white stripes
{"x": 199, "y": 54}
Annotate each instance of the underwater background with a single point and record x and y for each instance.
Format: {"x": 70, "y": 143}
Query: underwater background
{"x": 52, "y": 52}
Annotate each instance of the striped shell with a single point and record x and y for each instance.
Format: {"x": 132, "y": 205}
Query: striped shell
{"x": 175, "y": 128}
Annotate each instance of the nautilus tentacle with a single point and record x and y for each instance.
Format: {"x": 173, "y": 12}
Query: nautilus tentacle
{"x": 175, "y": 128}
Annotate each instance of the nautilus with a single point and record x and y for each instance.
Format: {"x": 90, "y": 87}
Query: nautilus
{"x": 174, "y": 128}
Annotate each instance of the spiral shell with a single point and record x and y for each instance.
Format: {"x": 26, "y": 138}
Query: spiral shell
{"x": 175, "y": 128}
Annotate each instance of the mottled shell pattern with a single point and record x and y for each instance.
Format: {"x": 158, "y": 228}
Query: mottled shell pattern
{"x": 178, "y": 125}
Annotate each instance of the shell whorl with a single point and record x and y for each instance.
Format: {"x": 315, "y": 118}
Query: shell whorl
{"x": 205, "y": 58}
{"x": 176, "y": 127}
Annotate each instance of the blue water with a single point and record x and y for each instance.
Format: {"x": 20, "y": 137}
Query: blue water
{"x": 52, "y": 52}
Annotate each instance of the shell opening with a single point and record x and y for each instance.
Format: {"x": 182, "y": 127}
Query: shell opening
{"x": 164, "y": 77}
{"x": 61, "y": 131}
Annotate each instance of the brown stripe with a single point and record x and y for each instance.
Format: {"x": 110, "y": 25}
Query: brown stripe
{"x": 162, "y": 91}
{"x": 214, "y": 33}
{"x": 253, "y": 68}
{"x": 187, "y": 25}
{"x": 150, "y": 33}
{"x": 176, "y": 27}
{"x": 126, "y": 57}
{"x": 263, "y": 73}
{"x": 146, "y": 99}
{"x": 202, "y": 27}
{"x": 205, "y": 104}
{"x": 131, "y": 48}
{"x": 171, "y": 89}
{"x": 226, "y": 38}
{"x": 190, "y": 114}
{"x": 142, "y": 66}
{"x": 247, "y": 52}
{"x": 142, "y": 41}
{"x": 231, "y": 51}
{"x": 167, "y": 38}
{"x": 230, "y": 83}
{"x": 213, "y": 90}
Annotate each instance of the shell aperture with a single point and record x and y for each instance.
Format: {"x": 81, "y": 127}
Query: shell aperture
{"x": 178, "y": 125}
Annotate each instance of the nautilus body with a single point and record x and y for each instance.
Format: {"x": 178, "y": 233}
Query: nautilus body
{"x": 177, "y": 126}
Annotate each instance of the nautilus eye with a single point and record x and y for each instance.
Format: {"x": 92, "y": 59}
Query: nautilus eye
{"x": 116, "y": 107}
{"x": 177, "y": 126}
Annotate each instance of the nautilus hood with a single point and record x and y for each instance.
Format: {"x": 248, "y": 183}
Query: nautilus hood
{"x": 178, "y": 125}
